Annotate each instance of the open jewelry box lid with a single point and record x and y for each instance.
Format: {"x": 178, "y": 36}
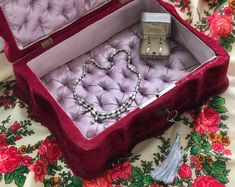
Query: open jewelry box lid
{"x": 27, "y": 11}
{"x": 36, "y": 25}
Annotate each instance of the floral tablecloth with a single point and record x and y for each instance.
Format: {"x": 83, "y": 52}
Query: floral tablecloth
{"x": 30, "y": 156}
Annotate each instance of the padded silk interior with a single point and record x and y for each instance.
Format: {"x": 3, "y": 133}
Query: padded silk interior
{"x": 31, "y": 20}
{"x": 106, "y": 90}
{"x": 60, "y": 66}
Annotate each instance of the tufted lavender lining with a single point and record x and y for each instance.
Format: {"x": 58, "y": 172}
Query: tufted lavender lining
{"x": 108, "y": 89}
{"x": 31, "y": 20}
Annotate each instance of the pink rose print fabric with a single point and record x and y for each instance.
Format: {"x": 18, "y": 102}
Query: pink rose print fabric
{"x": 207, "y": 121}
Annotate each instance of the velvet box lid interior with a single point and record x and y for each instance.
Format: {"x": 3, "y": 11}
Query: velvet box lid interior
{"x": 34, "y": 26}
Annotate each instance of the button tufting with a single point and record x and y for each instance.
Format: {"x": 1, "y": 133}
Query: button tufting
{"x": 66, "y": 84}
{"x": 99, "y": 101}
{"x": 26, "y": 21}
{"x": 165, "y": 79}
{"x": 55, "y": 14}
{"x": 126, "y": 75}
{"x": 49, "y": 8}
{"x": 89, "y": 71}
{"x": 105, "y": 88}
{"x": 40, "y": 22}
{"x": 85, "y": 87}
{"x": 123, "y": 89}
{"x": 146, "y": 77}
{"x": 105, "y": 92}
{"x": 109, "y": 73}
{"x": 150, "y": 65}
{"x": 132, "y": 45}
{"x": 143, "y": 91}
{"x": 168, "y": 65}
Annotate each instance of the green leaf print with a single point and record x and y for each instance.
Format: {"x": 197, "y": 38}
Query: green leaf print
{"x": 8, "y": 178}
{"x": 218, "y": 167}
{"x": 148, "y": 180}
{"x": 206, "y": 168}
{"x": 224, "y": 117}
{"x": 137, "y": 174}
{"x": 196, "y": 149}
{"x": 19, "y": 179}
{"x": 206, "y": 146}
{"x": 196, "y": 138}
{"x": 217, "y": 103}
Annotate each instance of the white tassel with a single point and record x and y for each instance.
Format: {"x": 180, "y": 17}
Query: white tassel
{"x": 168, "y": 170}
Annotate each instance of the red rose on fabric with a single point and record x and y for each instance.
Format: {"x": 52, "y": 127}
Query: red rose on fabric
{"x": 104, "y": 181}
{"x": 198, "y": 166}
{"x": 221, "y": 26}
{"x": 193, "y": 159}
{"x": 5, "y": 101}
{"x": 218, "y": 147}
{"x": 50, "y": 151}
{"x": 227, "y": 152}
{"x": 3, "y": 140}
{"x": 207, "y": 120}
{"x": 207, "y": 181}
{"x": 212, "y": 17}
{"x": 15, "y": 126}
{"x": 185, "y": 171}
{"x": 182, "y": 10}
{"x": 10, "y": 158}
{"x": 26, "y": 160}
{"x": 122, "y": 171}
{"x": 18, "y": 137}
{"x": 185, "y": 2}
{"x": 39, "y": 169}
{"x": 228, "y": 11}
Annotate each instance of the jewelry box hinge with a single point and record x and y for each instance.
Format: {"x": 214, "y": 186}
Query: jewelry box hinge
{"x": 45, "y": 44}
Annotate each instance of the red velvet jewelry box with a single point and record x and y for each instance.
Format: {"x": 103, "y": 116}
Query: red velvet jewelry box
{"x": 49, "y": 42}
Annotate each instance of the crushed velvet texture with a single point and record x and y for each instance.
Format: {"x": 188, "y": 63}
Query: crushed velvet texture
{"x": 106, "y": 90}
{"x": 30, "y": 20}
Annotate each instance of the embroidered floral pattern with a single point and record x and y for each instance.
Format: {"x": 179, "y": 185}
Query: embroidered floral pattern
{"x": 40, "y": 170}
{"x": 49, "y": 150}
{"x": 207, "y": 145}
{"x": 208, "y": 120}
{"x": 184, "y": 6}
{"x": 206, "y": 181}
{"x": 218, "y": 22}
{"x": 7, "y": 100}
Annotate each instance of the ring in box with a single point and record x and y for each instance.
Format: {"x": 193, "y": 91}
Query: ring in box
{"x": 155, "y": 30}
{"x": 50, "y": 43}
